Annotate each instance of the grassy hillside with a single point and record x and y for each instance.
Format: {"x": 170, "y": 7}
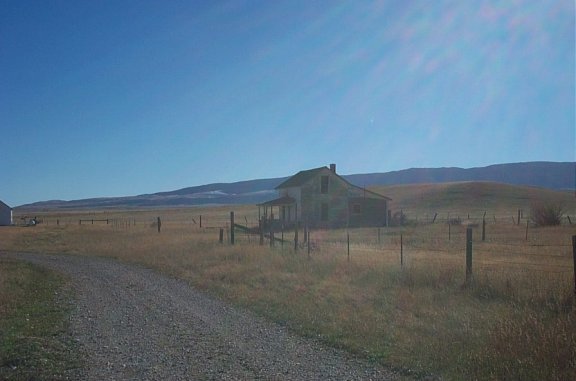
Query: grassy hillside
{"x": 471, "y": 197}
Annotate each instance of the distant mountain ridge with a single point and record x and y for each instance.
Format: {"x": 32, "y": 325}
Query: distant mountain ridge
{"x": 550, "y": 175}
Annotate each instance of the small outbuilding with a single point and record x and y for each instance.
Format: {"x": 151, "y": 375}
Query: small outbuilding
{"x": 321, "y": 198}
{"x": 5, "y": 214}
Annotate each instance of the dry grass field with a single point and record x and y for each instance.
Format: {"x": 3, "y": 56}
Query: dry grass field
{"x": 516, "y": 319}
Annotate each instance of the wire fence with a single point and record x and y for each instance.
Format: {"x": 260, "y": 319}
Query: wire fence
{"x": 500, "y": 242}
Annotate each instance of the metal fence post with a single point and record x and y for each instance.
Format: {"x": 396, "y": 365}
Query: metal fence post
{"x": 401, "y": 251}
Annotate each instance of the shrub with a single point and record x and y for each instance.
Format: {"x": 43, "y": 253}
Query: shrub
{"x": 398, "y": 219}
{"x": 401, "y": 219}
{"x": 547, "y": 214}
{"x": 455, "y": 221}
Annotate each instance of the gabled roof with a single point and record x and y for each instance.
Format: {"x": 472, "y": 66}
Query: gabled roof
{"x": 301, "y": 178}
{"x": 3, "y": 204}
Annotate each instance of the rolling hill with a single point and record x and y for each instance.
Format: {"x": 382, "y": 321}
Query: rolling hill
{"x": 472, "y": 197}
{"x": 549, "y": 175}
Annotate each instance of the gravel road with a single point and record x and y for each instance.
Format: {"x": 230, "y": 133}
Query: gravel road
{"x": 133, "y": 323}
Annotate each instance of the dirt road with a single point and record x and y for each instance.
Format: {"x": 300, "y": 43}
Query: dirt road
{"x": 132, "y": 323}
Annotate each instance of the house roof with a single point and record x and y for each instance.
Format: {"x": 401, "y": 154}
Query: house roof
{"x": 3, "y": 204}
{"x": 301, "y": 178}
{"x": 365, "y": 191}
{"x": 285, "y": 200}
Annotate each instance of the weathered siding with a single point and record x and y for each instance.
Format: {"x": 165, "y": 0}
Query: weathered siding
{"x": 335, "y": 199}
{"x": 368, "y": 211}
{"x": 296, "y": 194}
{"x": 5, "y": 214}
{"x": 330, "y": 203}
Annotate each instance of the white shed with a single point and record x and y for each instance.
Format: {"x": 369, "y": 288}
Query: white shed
{"x": 5, "y": 214}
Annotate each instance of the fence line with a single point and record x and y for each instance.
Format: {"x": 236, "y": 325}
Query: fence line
{"x": 380, "y": 239}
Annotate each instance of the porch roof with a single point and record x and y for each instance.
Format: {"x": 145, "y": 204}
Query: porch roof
{"x": 285, "y": 200}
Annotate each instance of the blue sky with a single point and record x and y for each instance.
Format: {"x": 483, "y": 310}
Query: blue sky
{"x": 115, "y": 98}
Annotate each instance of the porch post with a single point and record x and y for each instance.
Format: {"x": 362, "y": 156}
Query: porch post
{"x": 296, "y": 212}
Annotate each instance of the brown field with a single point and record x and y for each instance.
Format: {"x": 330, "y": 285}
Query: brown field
{"x": 516, "y": 319}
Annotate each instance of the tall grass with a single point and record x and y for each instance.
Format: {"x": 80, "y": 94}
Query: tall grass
{"x": 516, "y": 320}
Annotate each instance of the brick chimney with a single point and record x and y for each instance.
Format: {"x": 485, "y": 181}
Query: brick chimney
{"x": 333, "y": 167}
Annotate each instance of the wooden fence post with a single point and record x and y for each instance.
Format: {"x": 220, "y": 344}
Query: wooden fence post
{"x": 527, "y": 224}
{"x": 483, "y": 229}
{"x": 348, "y": 244}
{"x": 231, "y": 228}
{"x": 518, "y": 217}
{"x": 574, "y": 258}
{"x": 221, "y": 238}
{"x": 468, "y": 255}
{"x": 247, "y": 230}
{"x": 200, "y": 220}
{"x": 159, "y": 223}
{"x": 296, "y": 237}
{"x": 261, "y": 230}
{"x": 308, "y": 242}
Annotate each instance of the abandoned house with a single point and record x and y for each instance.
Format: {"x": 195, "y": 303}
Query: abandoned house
{"x": 321, "y": 198}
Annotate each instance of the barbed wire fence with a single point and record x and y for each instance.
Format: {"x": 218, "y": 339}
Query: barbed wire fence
{"x": 500, "y": 242}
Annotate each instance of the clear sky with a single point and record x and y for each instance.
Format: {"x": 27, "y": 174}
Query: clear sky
{"x": 117, "y": 98}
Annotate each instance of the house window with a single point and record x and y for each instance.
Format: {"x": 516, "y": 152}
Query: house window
{"x": 356, "y": 209}
{"x": 324, "y": 184}
{"x": 324, "y": 212}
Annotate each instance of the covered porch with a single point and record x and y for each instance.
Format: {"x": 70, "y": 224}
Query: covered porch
{"x": 278, "y": 213}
